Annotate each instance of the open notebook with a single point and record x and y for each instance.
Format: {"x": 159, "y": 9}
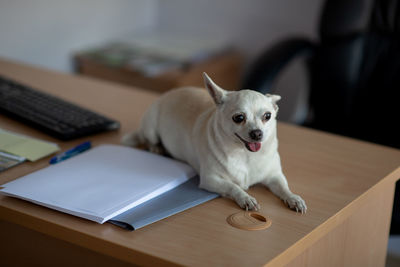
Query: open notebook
{"x": 105, "y": 182}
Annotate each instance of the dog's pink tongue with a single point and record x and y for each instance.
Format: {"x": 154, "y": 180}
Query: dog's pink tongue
{"x": 254, "y": 146}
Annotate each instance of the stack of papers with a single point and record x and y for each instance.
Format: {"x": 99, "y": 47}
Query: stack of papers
{"x": 8, "y": 160}
{"x": 101, "y": 183}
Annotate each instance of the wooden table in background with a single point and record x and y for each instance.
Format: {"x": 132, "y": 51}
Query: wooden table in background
{"x": 348, "y": 186}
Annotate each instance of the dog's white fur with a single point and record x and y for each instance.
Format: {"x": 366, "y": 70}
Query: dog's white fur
{"x": 191, "y": 127}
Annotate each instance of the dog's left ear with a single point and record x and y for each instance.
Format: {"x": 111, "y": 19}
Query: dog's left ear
{"x": 274, "y": 99}
{"x": 216, "y": 92}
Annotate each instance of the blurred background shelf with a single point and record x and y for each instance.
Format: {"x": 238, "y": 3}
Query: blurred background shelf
{"x": 225, "y": 70}
{"x": 162, "y": 60}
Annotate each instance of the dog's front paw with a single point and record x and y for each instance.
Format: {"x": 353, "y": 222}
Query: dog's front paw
{"x": 247, "y": 202}
{"x": 295, "y": 202}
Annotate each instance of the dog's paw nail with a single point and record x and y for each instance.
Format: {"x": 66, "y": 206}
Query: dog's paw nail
{"x": 248, "y": 203}
{"x": 295, "y": 202}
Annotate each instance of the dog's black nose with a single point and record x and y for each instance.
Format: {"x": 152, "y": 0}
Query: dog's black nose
{"x": 256, "y": 135}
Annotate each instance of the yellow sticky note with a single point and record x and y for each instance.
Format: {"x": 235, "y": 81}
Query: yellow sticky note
{"x": 27, "y": 147}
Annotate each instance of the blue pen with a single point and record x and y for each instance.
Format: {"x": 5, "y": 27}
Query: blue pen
{"x": 71, "y": 152}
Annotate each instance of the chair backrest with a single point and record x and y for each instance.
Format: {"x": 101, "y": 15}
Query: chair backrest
{"x": 355, "y": 72}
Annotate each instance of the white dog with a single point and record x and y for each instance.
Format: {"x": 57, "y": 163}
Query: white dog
{"x": 231, "y": 141}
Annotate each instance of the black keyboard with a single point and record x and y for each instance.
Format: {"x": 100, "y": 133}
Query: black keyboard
{"x": 57, "y": 117}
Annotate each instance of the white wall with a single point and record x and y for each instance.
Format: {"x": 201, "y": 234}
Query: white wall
{"x": 251, "y": 25}
{"x": 47, "y": 32}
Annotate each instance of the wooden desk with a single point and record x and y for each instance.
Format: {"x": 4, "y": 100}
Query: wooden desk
{"x": 348, "y": 186}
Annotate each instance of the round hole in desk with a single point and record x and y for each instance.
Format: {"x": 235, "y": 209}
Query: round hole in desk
{"x": 258, "y": 217}
{"x": 249, "y": 220}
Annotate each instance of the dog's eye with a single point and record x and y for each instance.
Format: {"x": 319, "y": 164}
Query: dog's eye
{"x": 238, "y": 118}
{"x": 266, "y": 116}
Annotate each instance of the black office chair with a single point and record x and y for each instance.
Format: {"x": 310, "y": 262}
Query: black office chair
{"x": 354, "y": 73}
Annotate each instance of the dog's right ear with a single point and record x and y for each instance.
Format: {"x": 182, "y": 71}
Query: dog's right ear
{"x": 216, "y": 92}
{"x": 274, "y": 99}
